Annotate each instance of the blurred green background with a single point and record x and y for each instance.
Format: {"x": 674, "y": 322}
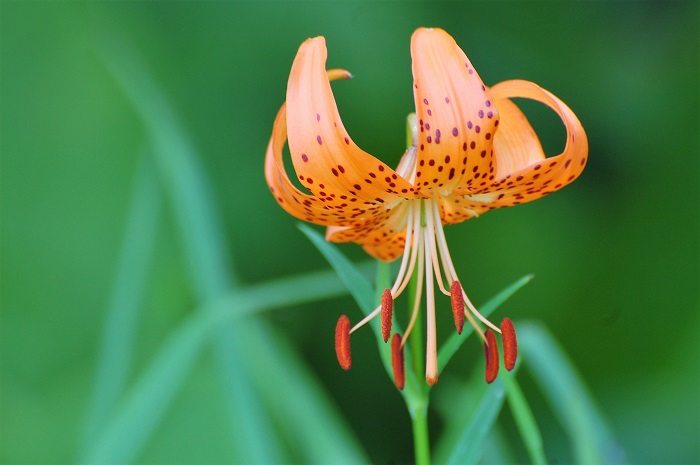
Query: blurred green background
{"x": 615, "y": 255}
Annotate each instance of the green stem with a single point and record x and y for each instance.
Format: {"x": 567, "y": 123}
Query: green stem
{"x": 525, "y": 420}
{"x": 419, "y": 420}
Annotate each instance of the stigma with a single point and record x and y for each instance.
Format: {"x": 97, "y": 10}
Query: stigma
{"x": 427, "y": 256}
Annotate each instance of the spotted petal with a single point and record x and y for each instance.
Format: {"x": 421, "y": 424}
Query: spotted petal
{"x": 457, "y": 118}
{"x": 539, "y": 177}
{"x": 322, "y": 151}
{"x": 383, "y": 237}
{"x": 516, "y": 145}
{"x": 303, "y": 206}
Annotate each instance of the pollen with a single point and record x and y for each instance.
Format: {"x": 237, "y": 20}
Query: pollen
{"x": 397, "y": 361}
{"x": 510, "y": 343}
{"x": 457, "y": 305}
{"x": 387, "y": 309}
{"x": 491, "y": 353}
{"x": 342, "y": 342}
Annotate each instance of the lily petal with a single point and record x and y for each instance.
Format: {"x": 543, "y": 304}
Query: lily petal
{"x": 322, "y": 151}
{"x": 327, "y": 209}
{"x": 541, "y": 177}
{"x": 515, "y": 145}
{"x": 382, "y": 237}
{"x": 296, "y": 203}
{"x": 457, "y": 117}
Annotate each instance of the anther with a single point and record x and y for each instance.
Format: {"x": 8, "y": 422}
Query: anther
{"x": 457, "y": 305}
{"x": 387, "y": 308}
{"x": 491, "y": 353}
{"x": 510, "y": 343}
{"x": 342, "y": 342}
{"x": 397, "y": 361}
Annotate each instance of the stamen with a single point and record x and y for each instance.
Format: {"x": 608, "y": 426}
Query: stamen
{"x": 510, "y": 343}
{"x": 397, "y": 361}
{"x": 412, "y": 243}
{"x": 491, "y": 353}
{"x": 419, "y": 288}
{"x": 387, "y": 309}
{"x": 431, "y": 368}
{"x": 408, "y": 255}
{"x": 483, "y": 319}
{"x": 457, "y": 305}
{"x": 366, "y": 319}
{"x": 342, "y": 342}
{"x": 431, "y": 218}
{"x": 450, "y": 272}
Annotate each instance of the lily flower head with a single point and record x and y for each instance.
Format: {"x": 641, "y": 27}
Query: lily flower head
{"x": 472, "y": 151}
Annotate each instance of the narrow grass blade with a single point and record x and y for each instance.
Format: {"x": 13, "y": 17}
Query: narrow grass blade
{"x": 455, "y": 341}
{"x": 178, "y": 167}
{"x": 466, "y": 444}
{"x": 251, "y": 432}
{"x": 357, "y": 284}
{"x": 498, "y": 450}
{"x": 123, "y": 308}
{"x": 142, "y": 409}
{"x": 590, "y": 437}
{"x": 312, "y": 422}
{"x": 525, "y": 420}
{"x": 144, "y": 406}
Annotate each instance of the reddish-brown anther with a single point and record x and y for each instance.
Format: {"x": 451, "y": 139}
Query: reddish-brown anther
{"x": 342, "y": 342}
{"x": 397, "y": 361}
{"x": 387, "y": 309}
{"x": 457, "y": 305}
{"x": 510, "y": 343}
{"x": 491, "y": 352}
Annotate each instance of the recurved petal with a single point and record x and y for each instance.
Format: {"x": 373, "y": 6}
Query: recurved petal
{"x": 457, "y": 117}
{"x": 547, "y": 175}
{"x": 515, "y": 145}
{"x": 322, "y": 151}
{"x": 295, "y": 202}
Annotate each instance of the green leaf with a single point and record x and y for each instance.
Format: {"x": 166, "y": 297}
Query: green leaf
{"x": 525, "y": 420}
{"x": 466, "y": 433}
{"x": 312, "y": 422}
{"x": 455, "y": 341}
{"x": 141, "y": 410}
{"x": 591, "y": 439}
{"x": 177, "y": 163}
{"x": 124, "y": 305}
{"x": 359, "y": 287}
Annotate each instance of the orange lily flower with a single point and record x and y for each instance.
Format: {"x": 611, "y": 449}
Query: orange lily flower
{"x": 473, "y": 151}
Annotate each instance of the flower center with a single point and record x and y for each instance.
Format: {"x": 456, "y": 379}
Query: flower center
{"x": 426, "y": 254}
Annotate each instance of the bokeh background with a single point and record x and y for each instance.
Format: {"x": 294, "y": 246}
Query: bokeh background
{"x": 615, "y": 255}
